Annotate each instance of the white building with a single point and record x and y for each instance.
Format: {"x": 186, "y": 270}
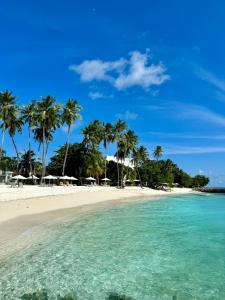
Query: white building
{"x": 128, "y": 162}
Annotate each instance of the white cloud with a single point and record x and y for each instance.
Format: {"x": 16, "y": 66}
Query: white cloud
{"x": 210, "y": 78}
{"x": 184, "y": 135}
{"x": 97, "y": 69}
{"x": 127, "y": 115}
{"x": 173, "y": 149}
{"x": 123, "y": 73}
{"x": 96, "y": 95}
{"x": 189, "y": 112}
{"x": 201, "y": 113}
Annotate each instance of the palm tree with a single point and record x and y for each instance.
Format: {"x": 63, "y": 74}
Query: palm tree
{"x": 158, "y": 151}
{"x": 7, "y": 101}
{"x": 69, "y": 116}
{"x": 14, "y": 125}
{"x": 28, "y": 115}
{"x": 140, "y": 156}
{"x": 93, "y": 133}
{"x": 125, "y": 147}
{"x": 130, "y": 140}
{"x": 118, "y": 131}
{"x": 107, "y": 137}
{"x": 47, "y": 119}
{"x": 94, "y": 164}
{"x": 26, "y": 159}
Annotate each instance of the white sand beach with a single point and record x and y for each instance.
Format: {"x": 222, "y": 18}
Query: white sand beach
{"x": 17, "y": 202}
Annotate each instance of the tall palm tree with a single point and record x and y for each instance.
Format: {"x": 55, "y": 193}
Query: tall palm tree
{"x": 140, "y": 156}
{"x": 47, "y": 119}
{"x": 131, "y": 141}
{"x": 93, "y": 133}
{"x": 118, "y": 131}
{"x": 69, "y": 116}
{"x": 25, "y": 160}
{"x": 94, "y": 164}
{"x": 28, "y": 115}
{"x": 157, "y": 152}
{"x": 14, "y": 125}
{"x": 107, "y": 137}
{"x": 7, "y": 101}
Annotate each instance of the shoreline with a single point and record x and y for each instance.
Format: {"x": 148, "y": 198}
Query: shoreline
{"x": 19, "y": 218}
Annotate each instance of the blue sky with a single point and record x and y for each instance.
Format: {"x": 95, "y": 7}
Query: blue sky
{"x": 157, "y": 64}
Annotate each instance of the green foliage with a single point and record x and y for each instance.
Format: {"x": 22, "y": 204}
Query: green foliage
{"x": 157, "y": 152}
{"x": 75, "y": 161}
{"x": 200, "y": 181}
{"x": 8, "y": 163}
{"x": 164, "y": 171}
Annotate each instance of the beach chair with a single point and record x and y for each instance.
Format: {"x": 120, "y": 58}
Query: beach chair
{"x": 13, "y": 184}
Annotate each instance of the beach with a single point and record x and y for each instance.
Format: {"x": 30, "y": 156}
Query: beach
{"x": 22, "y": 209}
{"x": 31, "y": 200}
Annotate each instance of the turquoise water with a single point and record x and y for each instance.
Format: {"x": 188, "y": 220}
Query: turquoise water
{"x": 172, "y": 248}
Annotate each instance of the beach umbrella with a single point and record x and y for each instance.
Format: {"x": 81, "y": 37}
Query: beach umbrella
{"x": 73, "y": 178}
{"x": 65, "y": 177}
{"x": 105, "y": 179}
{"x": 32, "y": 177}
{"x": 18, "y": 177}
{"x": 50, "y": 177}
{"x": 90, "y": 178}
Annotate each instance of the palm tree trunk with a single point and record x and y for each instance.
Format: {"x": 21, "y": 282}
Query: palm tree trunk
{"x": 2, "y": 143}
{"x": 43, "y": 154}
{"x": 29, "y": 151}
{"x": 46, "y": 150}
{"x": 122, "y": 169}
{"x": 139, "y": 176}
{"x": 17, "y": 154}
{"x": 67, "y": 148}
{"x": 105, "y": 164}
{"x": 117, "y": 164}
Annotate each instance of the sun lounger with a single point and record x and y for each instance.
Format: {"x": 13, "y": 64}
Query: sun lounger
{"x": 13, "y": 184}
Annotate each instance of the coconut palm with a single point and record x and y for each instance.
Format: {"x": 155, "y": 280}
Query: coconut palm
{"x": 14, "y": 125}
{"x": 118, "y": 131}
{"x": 69, "y": 116}
{"x": 157, "y": 152}
{"x": 93, "y": 133}
{"x": 126, "y": 146}
{"x": 139, "y": 157}
{"x": 28, "y": 115}
{"x": 7, "y": 101}
{"x": 131, "y": 141}
{"x": 94, "y": 164}
{"x": 47, "y": 119}
{"x": 107, "y": 137}
{"x": 26, "y": 159}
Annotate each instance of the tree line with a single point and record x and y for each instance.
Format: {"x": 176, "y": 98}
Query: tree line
{"x": 45, "y": 115}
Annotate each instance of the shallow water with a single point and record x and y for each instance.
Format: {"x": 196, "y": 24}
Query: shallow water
{"x": 164, "y": 249}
